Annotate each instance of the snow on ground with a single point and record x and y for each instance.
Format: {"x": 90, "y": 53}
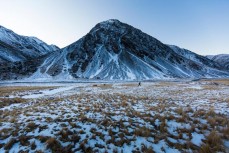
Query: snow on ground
{"x": 48, "y": 92}
{"x": 184, "y": 116}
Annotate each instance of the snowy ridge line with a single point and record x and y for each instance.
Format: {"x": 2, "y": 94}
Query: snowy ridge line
{"x": 112, "y": 50}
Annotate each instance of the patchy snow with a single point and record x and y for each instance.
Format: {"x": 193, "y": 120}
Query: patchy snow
{"x": 20, "y": 48}
{"x": 122, "y": 117}
{"x": 43, "y": 93}
{"x": 197, "y": 138}
{"x": 226, "y": 143}
{"x": 196, "y": 87}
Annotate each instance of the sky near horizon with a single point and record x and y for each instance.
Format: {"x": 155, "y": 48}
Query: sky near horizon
{"x": 201, "y": 26}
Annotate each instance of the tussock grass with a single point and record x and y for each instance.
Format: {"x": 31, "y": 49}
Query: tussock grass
{"x": 118, "y": 119}
{"x": 31, "y": 126}
{"x": 9, "y": 144}
{"x": 129, "y": 85}
{"x": 33, "y": 145}
{"x": 24, "y": 140}
{"x": 205, "y": 149}
{"x": 12, "y": 90}
{"x": 142, "y": 131}
{"x": 213, "y": 143}
{"x": 217, "y": 82}
{"x": 8, "y": 101}
{"x": 53, "y": 144}
{"x": 210, "y": 87}
{"x": 5, "y": 133}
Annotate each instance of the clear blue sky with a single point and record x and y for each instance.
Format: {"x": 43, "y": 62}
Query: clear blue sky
{"x": 199, "y": 25}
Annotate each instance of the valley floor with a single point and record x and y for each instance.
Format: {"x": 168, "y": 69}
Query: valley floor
{"x": 161, "y": 116}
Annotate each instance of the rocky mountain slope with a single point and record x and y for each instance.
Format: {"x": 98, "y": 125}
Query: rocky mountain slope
{"x": 221, "y": 59}
{"x": 14, "y": 47}
{"x": 113, "y": 50}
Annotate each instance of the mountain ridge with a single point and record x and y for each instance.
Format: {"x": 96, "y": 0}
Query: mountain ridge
{"x": 221, "y": 59}
{"x": 113, "y": 50}
{"x": 15, "y": 48}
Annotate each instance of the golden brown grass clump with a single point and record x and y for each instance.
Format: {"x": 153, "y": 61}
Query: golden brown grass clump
{"x": 8, "y": 101}
{"x": 6, "y": 91}
{"x": 53, "y": 144}
{"x": 213, "y": 143}
{"x": 10, "y": 144}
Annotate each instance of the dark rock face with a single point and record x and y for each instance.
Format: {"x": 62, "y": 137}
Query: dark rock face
{"x": 19, "y": 70}
{"x": 115, "y": 50}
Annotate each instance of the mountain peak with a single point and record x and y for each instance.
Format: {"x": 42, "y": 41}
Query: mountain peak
{"x": 110, "y": 25}
{"x": 110, "y": 21}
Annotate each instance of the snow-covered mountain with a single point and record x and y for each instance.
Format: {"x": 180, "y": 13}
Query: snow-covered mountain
{"x": 14, "y": 47}
{"x": 115, "y": 50}
{"x": 221, "y": 59}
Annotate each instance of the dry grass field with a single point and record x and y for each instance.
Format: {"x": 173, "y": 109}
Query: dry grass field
{"x": 170, "y": 117}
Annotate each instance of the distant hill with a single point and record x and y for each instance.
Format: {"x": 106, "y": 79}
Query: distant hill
{"x": 14, "y": 47}
{"x": 221, "y": 59}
